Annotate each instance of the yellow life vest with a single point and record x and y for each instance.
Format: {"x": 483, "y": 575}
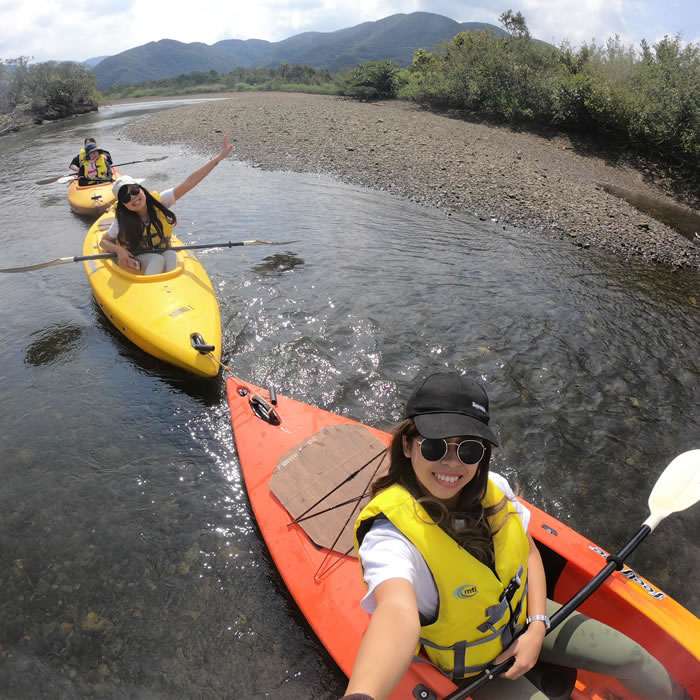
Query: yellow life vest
{"x": 151, "y": 238}
{"x": 479, "y": 612}
{"x": 100, "y": 163}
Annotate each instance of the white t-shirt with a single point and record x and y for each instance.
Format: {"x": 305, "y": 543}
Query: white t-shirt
{"x": 386, "y": 553}
{"x": 167, "y": 199}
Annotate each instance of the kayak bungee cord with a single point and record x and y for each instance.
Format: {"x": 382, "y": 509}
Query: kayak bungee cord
{"x": 271, "y": 416}
{"x": 304, "y": 515}
{"x": 320, "y": 571}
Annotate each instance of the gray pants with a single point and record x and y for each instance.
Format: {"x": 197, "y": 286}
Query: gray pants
{"x": 155, "y": 263}
{"x": 584, "y": 643}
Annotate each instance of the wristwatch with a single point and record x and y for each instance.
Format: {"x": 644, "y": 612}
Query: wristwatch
{"x": 541, "y": 618}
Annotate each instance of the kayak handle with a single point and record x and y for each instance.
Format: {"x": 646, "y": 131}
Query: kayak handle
{"x": 261, "y": 408}
{"x": 200, "y": 345}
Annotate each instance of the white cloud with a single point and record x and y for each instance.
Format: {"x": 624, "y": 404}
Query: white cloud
{"x": 64, "y": 29}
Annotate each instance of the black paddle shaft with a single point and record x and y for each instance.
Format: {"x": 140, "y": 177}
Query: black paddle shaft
{"x": 101, "y": 256}
{"x": 614, "y": 563}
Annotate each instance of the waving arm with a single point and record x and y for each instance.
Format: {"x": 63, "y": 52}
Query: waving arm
{"x": 198, "y": 175}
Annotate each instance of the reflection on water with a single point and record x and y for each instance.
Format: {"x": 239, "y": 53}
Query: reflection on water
{"x": 53, "y": 344}
{"x": 279, "y": 262}
{"x": 49, "y": 201}
{"x": 130, "y": 563}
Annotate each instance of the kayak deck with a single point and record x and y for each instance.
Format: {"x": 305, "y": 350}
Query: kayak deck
{"x": 289, "y": 468}
{"x": 158, "y": 313}
{"x": 91, "y": 200}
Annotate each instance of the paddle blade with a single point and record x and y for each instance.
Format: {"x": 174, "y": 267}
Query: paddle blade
{"x": 49, "y": 180}
{"x": 39, "y": 266}
{"x": 676, "y": 489}
{"x": 257, "y": 242}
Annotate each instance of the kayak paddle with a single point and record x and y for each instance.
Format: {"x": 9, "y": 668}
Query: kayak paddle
{"x": 101, "y": 256}
{"x": 66, "y": 178}
{"x": 676, "y": 489}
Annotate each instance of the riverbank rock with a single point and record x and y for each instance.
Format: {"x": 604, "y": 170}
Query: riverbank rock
{"x": 20, "y": 118}
{"x": 546, "y": 181}
{"x": 24, "y": 117}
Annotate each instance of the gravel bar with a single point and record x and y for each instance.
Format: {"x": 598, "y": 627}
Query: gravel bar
{"x": 548, "y": 181}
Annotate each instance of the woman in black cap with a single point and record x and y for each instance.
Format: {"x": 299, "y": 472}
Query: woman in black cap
{"x": 144, "y": 221}
{"x": 449, "y": 564}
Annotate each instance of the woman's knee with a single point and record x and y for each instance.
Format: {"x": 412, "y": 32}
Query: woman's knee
{"x": 152, "y": 263}
{"x": 170, "y": 260}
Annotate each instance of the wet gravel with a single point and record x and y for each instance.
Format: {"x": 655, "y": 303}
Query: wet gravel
{"x": 548, "y": 181}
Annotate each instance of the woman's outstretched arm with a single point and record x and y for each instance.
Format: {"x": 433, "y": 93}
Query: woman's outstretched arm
{"x": 198, "y": 175}
{"x": 390, "y": 641}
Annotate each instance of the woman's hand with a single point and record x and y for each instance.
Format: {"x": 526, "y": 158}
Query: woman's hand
{"x": 526, "y": 650}
{"x": 126, "y": 260}
{"x": 226, "y": 149}
{"x": 193, "y": 179}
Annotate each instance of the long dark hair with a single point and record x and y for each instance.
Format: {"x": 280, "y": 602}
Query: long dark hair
{"x": 468, "y": 524}
{"x": 131, "y": 227}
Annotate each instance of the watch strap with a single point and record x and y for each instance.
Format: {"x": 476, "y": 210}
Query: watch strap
{"x": 540, "y": 618}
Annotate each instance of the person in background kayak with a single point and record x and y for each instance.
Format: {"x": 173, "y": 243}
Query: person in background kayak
{"x": 143, "y": 220}
{"x": 76, "y": 162}
{"x": 449, "y": 564}
{"x": 94, "y": 168}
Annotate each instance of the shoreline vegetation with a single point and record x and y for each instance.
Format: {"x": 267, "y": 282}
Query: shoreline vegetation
{"x": 546, "y": 181}
{"x": 42, "y": 92}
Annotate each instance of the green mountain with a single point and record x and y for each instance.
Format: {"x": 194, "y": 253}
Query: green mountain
{"x": 395, "y": 38}
{"x": 91, "y": 62}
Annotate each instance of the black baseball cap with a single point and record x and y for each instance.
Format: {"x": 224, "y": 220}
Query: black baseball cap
{"x": 447, "y": 404}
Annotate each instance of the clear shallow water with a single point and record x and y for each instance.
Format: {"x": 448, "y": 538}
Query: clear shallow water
{"x": 129, "y": 562}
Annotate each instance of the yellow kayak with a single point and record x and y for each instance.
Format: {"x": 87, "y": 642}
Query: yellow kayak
{"x": 166, "y": 315}
{"x": 91, "y": 200}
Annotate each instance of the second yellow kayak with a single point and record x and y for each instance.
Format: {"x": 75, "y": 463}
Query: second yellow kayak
{"x": 165, "y": 315}
{"x": 91, "y": 200}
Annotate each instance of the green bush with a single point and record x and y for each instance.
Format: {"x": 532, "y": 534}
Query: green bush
{"x": 373, "y": 80}
{"x": 650, "y": 101}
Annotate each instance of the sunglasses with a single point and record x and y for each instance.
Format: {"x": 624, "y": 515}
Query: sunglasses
{"x": 125, "y": 195}
{"x": 468, "y": 451}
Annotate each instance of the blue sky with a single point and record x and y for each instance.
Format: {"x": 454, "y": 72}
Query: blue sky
{"x": 69, "y": 30}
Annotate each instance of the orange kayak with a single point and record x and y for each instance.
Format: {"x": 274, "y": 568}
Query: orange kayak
{"x": 91, "y": 200}
{"x": 306, "y": 471}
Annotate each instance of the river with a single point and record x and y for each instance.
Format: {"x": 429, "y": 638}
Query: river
{"x": 130, "y": 565}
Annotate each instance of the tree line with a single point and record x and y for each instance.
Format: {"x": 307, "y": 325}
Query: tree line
{"x": 49, "y": 90}
{"x": 289, "y": 77}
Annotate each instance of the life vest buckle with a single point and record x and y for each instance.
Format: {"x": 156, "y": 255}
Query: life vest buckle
{"x": 513, "y": 586}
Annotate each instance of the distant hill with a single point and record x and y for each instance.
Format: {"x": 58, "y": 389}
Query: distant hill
{"x": 91, "y": 62}
{"x": 396, "y": 38}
